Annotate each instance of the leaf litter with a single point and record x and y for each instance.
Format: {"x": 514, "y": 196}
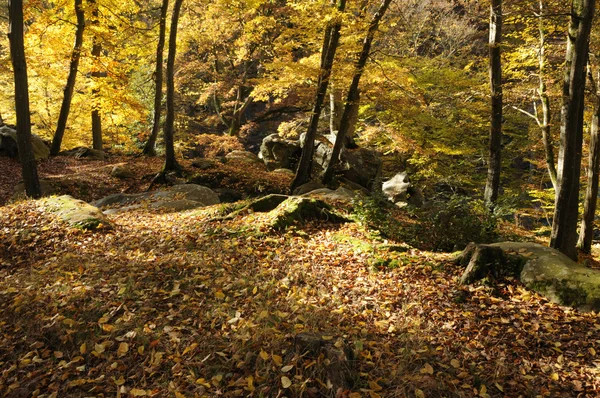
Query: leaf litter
{"x": 171, "y": 304}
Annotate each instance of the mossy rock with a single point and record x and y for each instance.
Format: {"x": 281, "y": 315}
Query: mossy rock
{"x": 539, "y": 268}
{"x": 77, "y": 213}
{"x": 300, "y": 209}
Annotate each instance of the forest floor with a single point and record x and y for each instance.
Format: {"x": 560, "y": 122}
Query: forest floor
{"x": 174, "y": 304}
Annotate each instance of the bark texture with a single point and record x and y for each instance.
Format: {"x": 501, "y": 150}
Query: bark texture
{"x": 586, "y": 230}
{"x": 330, "y": 44}
{"x": 564, "y": 227}
{"x": 65, "y": 107}
{"x": 170, "y": 160}
{"x": 353, "y": 91}
{"x": 545, "y": 101}
{"x": 492, "y": 185}
{"x": 17, "y": 53}
{"x": 96, "y": 73}
{"x": 149, "y": 148}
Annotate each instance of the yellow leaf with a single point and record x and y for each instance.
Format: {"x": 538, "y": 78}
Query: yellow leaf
{"x": 592, "y": 351}
{"x": 285, "y": 382}
{"x": 277, "y": 359}
{"x": 83, "y": 348}
{"x": 136, "y": 392}
{"x": 107, "y": 327}
{"x": 419, "y": 393}
{"x": 123, "y": 348}
{"x": 554, "y": 376}
{"x": 374, "y": 386}
{"x": 120, "y": 381}
{"x": 264, "y": 355}
{"x": 483, "y": 391}
{"x": 427, "y": 369}
{"x": 141, "y": 350}
{"x": 455, "y": 364}
{"x": 203, "y": 382}
{"x": 499, "y": 387}
{"x": 250, "y": 382}
{"x": 220, "y": 295}
{"x": 255, "y": 290}
{"x": 287, "y": 368}
{"x": 99, "y": 348}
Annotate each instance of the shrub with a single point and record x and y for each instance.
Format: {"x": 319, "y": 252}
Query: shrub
{"x": 455, "y": 221}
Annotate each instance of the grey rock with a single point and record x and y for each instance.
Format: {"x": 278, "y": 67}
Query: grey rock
{"x": 279, "y": 153}
{"x": 396, "y": 188}
{"x": 8, "y": 144}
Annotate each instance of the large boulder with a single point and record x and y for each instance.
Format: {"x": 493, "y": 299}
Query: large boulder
{"x": 76, "y": 213}
{"x": 46, "y": 187}
{"x": 539, "y": 268}
{"x": 84, "y": 153}
{"x": 362, "y": 166}
{"x": 8, "y": 144}
{"x": 279, "y": 153}
{"x": 176, "y": 198}
{"x": 242, "y": 157}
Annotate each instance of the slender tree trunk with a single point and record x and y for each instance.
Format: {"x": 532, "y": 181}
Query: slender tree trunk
{"x": 353, "y": 91}
{"x": 170, "y": 160}
{"x": 335, "y": 105}
{"x": 492, "y": 185}
{"x": 149, "y": 148}
{"x": 17, "y": 53}
{"x": 96, "y": 74}
{"x": 330, "y": 44}
{"x": 238, "y": 112}
{"x": 564, "y": 226}
{"x": 586, "y": 230}
{"x": 70, "y": 86}
{"x": 542, "y": 92}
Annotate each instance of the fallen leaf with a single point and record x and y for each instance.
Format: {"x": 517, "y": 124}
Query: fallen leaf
{"x": 285, "y": 382}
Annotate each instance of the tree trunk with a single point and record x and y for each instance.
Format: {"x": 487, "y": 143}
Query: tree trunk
{"x": 564, "y": 226}
{"x": 70, "y": 86}
{"x": 335, "y": 105}
{"x": 96, "y": 73}
{"x": 492, "y": 185}
{"x": 353, "y": 92}
{"x": 330, "y": 44}
{"x": 586, "y": 230}
{"x": 17, "y": 52}
{"x": 170, "y": 161}
{"x": 542, "y": 92}
{"x": 238, "y": 112}
{"x": 149, "y": 148}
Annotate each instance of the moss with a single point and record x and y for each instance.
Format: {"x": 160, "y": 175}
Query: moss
{"x": 299, "y": 209}
{"x": 77, "y": 213}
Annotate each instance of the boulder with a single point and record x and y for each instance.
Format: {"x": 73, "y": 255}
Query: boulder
{"x": 175, "y": 198}
{"x": 279, "y": 153}
{"x": 287, "y": 172}
{"x": 76, "y": 212}
{"x": 47, "y": 187}
{"x": 361, "y": 166}
{"x": 121, "y": 171}
{"x": 8, "y": 144}
{"x": 308, "y": 187}
{"x": 539, "y": 268}
{"x": 84, "y": 153}
{"x": 343, "y": 194}
{"x": 396, "y": 188}
{"x": 297, "y": 209}
{"x": 242, "y": 156}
